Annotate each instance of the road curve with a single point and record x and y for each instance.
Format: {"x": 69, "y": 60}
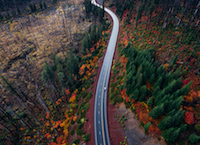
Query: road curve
{"x": 100, "y": 107}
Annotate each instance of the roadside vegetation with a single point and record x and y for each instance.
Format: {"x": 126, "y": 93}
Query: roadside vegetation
{"x": 157, "y": 74}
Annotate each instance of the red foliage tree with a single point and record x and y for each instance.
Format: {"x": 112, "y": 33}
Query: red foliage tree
{"x": 189, "y": 118}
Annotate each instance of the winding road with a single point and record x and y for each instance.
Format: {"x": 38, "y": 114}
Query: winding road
{"x": 100, "y": 107}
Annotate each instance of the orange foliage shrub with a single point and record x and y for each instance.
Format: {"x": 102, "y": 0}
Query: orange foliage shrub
{"x": 59, "y": 140}
{"x": 57, "y": 123}
{"x": 189, "y": 117}
{"x": 82, "y": 68}
{"x": 153, "y": 129}
{"x": 195, "y": 80}
{"x": 66, "y": 133}
{"x": 67, "y": 92}
{"x": 189, "y": 109}
{"x": 166, "y": 65}
{"x": 123, "y": 93}
{"x": 144, "y": 117}
{"x": 74, "y": 118}
{"x": 142, "y": 111}
{"x": 188, "y": 98}
{"x": 47, "y": 115}
{"x": 148, "y": 85}
{"x": 72, "y": 99}
{"x": 47, "y": 135}
{"x": 92, "y": 49}
{"x": 58, "y": 101}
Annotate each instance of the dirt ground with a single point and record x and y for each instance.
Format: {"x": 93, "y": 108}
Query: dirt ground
{"x": 135, "y": 134}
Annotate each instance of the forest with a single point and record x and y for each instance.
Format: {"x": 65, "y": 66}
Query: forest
{"x": 51, "y": 52}
{"x": 157, "y": 74}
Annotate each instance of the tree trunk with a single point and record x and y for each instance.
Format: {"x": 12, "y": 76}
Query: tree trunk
{"x": 41, "y": 100}
{"x": 22, "y": 103}
{"x": 7, "y": 129}
{"x": 195, "y": 13}
{"x": 53, "y": 127}
{"x": 29, "y": 99}
{"x": 21, "y": 120}
{"x": 9, "y": 117}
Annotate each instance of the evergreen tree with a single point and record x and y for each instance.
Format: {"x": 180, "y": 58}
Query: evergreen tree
{"x": 31, "y": 7}
{"x": 136, "y": 94}
{"x": 45, "y": 6}
{"x": 93, "y": 35}
{"x": 54, "y": 1}
{"x": 171, "y": 134}
{"x": 143, "y": 91}
{"x": 173, "y": 104}
{"x": 41, "y": 6}
{"x": 18, "y": 11}
{"x": 34, "y": 8}
{"x": 173, "y": 61}
{"x": 194, "y": 138}
{"x": 88, "y": 7}
{"x": 152, "y": 78}
{"x": 146, "y": 126}
{"x": 157, "y": 111}
{"x": 1, "y": 17}
{"x": 185, "y": 89}
{"x": 172, "y": 120}
{"x": 85, "y": 45}
{"x": 150, "y": 102}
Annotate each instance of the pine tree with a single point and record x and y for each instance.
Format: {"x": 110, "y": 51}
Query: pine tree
{"x": 171, "y": 134}
{"x": 85, "y": 45}
{"x": 150, "y": 102}
{"x": 45, "y": 6}
{"x": 146, "y": 126}
{"x": 171, "y": 87}
{"x": 159, "y": 96}
{"x": 157, "y": 111}
{"x": 172, "y": 120}
{"x": 31, "y": 7}
{"x": 173, "y": 104}
{"x": 152, "y": 78}
{"x": 143, "y": 91}
{"x": 1, "y": 17}
{"x": 173, "y": 61}
{"x": 34, "y": 8}
{"x": 194, "y": 138}
{"x": 185, "y": 89}
{"x": 54, "y": 1}
{"x": 41, "y": 6}
{"x": 136, "y": 94}
{"x": 18, "y": 11}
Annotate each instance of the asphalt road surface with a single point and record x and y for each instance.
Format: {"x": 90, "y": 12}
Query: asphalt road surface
{"x": 100, "y": 109}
